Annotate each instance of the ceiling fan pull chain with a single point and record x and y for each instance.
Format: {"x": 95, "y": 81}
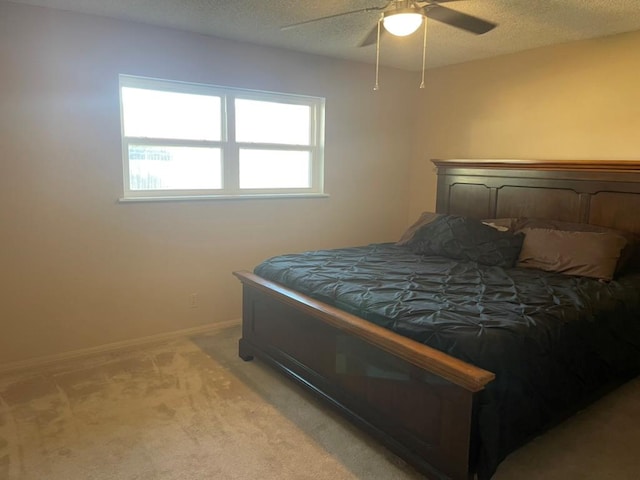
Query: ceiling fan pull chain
{"x": 377, "y": 86}
{"x": 424, "y": 52}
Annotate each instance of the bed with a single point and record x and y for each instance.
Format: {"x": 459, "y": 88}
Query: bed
{"x": 454, "y": 401}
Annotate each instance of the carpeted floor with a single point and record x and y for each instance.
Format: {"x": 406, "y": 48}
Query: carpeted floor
{"x": 191, "y": 409}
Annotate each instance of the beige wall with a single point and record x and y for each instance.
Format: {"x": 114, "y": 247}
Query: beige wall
{"x": 81, "y": 270}
{"x": 575, "y": 101}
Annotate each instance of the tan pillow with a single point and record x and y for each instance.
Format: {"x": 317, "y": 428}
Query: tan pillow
{"x": 425, "y": 219}
{"x": 588, "y": 254}
{"x": 496, "y": 226}
{"x": 502, "y": 224}
{"x": 628, "y": 257}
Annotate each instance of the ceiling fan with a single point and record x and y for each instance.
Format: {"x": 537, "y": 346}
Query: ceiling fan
{"x": 403, "y": 17}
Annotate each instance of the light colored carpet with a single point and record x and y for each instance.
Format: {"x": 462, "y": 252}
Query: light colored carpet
{"x": 191, "y": 409}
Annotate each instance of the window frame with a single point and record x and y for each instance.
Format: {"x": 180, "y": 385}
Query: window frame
{"x": 229, "y": 147}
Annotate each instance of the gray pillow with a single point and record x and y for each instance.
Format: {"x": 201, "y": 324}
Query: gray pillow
{"x": 425, "y": 218}
{"x": 464, "y": 238}
{"x": 587, "y": 254}
{"x": 629, "y": 257}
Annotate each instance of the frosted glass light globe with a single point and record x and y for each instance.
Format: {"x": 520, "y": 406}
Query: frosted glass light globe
{"x": 402, "y": 24}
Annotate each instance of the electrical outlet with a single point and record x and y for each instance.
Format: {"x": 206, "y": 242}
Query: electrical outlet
{"x": 193, "y": 300}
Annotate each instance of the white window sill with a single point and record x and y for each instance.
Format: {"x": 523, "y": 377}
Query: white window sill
{"x": 186, "y": 198}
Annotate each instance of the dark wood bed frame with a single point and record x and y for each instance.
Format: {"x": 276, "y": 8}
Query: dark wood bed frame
{"x": 417, "y": 401}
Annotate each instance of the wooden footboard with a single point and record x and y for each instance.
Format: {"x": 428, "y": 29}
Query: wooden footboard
{"x": 417, "y": 401}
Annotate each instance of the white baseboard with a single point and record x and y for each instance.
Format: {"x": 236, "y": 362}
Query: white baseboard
{"x": 112, "y": 347}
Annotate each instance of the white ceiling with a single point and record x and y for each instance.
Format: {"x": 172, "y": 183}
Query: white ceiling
{"x": 522, "y": 24}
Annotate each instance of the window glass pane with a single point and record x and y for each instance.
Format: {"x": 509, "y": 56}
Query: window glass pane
{"x": 174, "y": 168}
{"x": 274, "y": 169}
{"x": 160, "y": 114}
{"x": 271, "y": 122}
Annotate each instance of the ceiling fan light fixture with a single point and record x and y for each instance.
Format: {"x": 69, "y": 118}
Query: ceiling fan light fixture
{"x": 402, "y": 22}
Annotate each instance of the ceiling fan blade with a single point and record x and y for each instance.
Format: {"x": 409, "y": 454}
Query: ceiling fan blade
{"x": 372, "y": 36}
{"x": 313, "y": 20}
{"x": 458, "y": 19}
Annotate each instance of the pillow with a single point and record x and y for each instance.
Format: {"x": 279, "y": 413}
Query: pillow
{"x": 627, "y": 256}
{"x": 425, "y": 218}
{"x": 502, "y": 224}
{"x": 500, "y": 228}
{"x": 464, "y": 238}
{"x": 588, "y": 254}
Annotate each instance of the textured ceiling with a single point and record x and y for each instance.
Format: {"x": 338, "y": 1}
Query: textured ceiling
{"x": 522, "y": 24}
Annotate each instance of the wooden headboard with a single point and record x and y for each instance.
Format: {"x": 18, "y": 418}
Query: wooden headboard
{"x": 603, "y": 193}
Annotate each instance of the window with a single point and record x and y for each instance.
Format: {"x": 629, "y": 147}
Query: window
{"x": 183, "y": 140}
